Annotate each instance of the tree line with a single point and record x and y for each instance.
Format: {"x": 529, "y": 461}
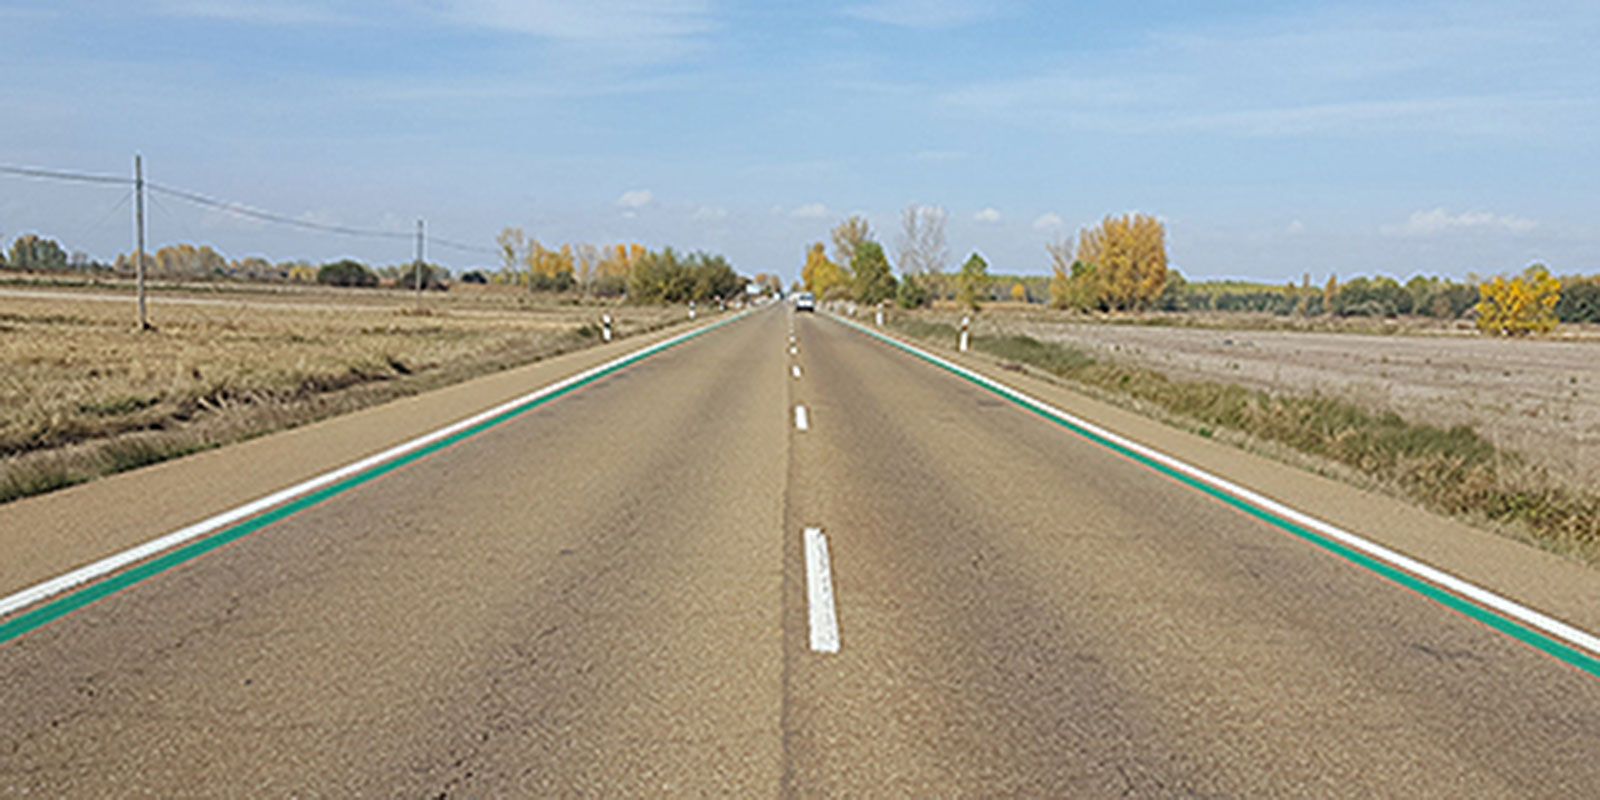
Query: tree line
{"x": 623, "y": 270}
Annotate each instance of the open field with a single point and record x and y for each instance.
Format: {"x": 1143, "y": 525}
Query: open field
{"x": 82, "y": 393}
{"x": 1534, "y": 397}
{"x": 1500, "y": 433}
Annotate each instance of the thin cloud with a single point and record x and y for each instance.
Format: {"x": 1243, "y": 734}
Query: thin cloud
{"x": 710, "y": 214}
{"x": 1438, "y": 222}
{"x": 1048, "y": 222}
{"x": 988, "y": 215}
{"x": 810, "y": 211}
{"x": 635, "y": 199}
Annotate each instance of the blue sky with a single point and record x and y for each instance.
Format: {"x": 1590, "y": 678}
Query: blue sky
{"x": 1274, "y": 138}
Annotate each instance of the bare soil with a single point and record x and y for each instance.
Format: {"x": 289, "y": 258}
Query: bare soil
{"x": 1538, "y": 398}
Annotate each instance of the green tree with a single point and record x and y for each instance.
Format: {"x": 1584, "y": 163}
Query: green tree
{"x": 874, "y": 283}
{"x": 847, "y": 237}
{"x": 973, "y": 283}
{"x": 433, "y": 277}
{"x": 912, "y": 293}
{"x": 35, "y": 254}
{"x": 346, "y": 272}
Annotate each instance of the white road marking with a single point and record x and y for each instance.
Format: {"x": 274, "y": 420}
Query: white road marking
{"x": 802, "y": 421}
{"x": 794, "y": 351}
{"x": 112, "y": 563}
{"x": 819, "y": 594}
{"x": 795, "y": 371}
{"x": 1567, "y": 633}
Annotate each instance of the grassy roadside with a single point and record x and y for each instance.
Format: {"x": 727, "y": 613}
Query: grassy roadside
{"x": 1451, "y": 470}
{"x": 83, "y": 396}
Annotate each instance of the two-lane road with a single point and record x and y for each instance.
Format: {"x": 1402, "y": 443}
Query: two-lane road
{"x": 612, "y": 595}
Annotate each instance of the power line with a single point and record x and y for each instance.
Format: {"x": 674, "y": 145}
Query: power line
{"x": 242, "y": 210}
{"x": 60, "y": 175}
{"x": 239, "y": 209}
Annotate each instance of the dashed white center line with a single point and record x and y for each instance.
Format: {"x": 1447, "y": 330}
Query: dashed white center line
{"x": 794, "y": 351}
{"x": 795, "y": 371}
{"x": 802, "y": 421}
{"x": 819, "y": 594}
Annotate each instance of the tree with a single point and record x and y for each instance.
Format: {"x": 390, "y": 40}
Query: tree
{"x": 513, "y": 249}
{"x": 874, "y": 283}
{"x": 1330, "y": 293}
{"x": 973, "y": 284}
{"x": 821, "y": 276}
{"x": 1580, "y": 300}
{"x": 1521, "y": 305}
{"x": 847, "y": 236}
{"x": 1019, "y": 293}
{"x": 347, "y": 272}
{"x": 35, "y": 254}
{"x": 911, "y": 293}
{"x": 587, "y": 265}
{"x": 433, "y": 277}
{"x": 922, "y": 241}
{"x": 1130, "y": 256}
{"x": 1061, "y": 259}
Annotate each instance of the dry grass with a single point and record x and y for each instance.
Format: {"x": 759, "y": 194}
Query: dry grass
{"x": 1452, "y": 469}
{"x": 83, "y": 394}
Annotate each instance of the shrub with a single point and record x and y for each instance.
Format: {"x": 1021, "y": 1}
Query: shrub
{"x": 347, "y": 272}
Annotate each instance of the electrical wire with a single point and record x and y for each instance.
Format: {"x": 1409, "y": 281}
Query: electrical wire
{"x": 61, "y": 175}
{"x": 240, "y": 209}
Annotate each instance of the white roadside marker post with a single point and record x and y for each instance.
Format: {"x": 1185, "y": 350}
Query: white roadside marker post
{"x": 605, "y": 326}
{"x": 691, "y": 309}
{"x": 966, "y": 333}
{"x": 880, "y": 314}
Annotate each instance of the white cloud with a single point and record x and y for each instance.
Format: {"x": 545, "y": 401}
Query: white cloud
{"x": 1048, "y": 221}
{"x": 810, "y": 211}
{"x": 635, "y": 199}
{"x": 924, "y": 14}
{"x": 1439, "y": 221}
{"x": 710, "y": 214}
{"x": 987, "y": 215}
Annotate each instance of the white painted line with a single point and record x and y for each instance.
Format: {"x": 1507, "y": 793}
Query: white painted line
{"x": 1459, "y": 586}
{"x": 795, "y": 371}
{"x": 819, "y": 594}
{"x": 802, "y": 421}
{"x": 112, "y": 563}
{"x": 794, "y": 351}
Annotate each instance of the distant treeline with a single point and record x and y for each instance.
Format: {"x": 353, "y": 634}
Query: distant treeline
{"x": 631, "y": 271}
{"x": 1421, "y": 296}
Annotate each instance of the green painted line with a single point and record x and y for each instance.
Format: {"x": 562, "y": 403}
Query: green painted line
{"x": 31, "y": 621}
{"x": 1527, "y": 635}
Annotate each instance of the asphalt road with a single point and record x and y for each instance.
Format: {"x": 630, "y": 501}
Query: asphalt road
{"x": 611, "y": 595}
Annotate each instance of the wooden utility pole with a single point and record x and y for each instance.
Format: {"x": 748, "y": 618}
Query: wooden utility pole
{"x": 418, "y": 266}
{"x": 138, "y": 222}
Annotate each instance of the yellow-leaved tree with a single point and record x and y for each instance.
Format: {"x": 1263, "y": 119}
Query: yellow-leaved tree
{"x": 1519, "y": 306}
{"x": 821, "y": 276}
{"x": 1019, "y": 293}
{"x": 1128, "y": 255}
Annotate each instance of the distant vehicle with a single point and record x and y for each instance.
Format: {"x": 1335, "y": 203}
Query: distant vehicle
{"x": 805, "y": 301}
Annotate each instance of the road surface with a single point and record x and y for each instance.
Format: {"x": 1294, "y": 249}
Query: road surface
{"x": 619, "y": 593}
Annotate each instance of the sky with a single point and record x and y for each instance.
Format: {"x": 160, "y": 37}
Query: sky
{"x": 1274, "y": 139}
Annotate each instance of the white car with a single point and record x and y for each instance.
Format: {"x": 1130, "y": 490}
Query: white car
{"x": 805, "y": 301}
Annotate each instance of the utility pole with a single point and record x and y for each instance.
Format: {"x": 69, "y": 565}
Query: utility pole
{"x": 138, "y": 220}
{"x": 418, "y": 267}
